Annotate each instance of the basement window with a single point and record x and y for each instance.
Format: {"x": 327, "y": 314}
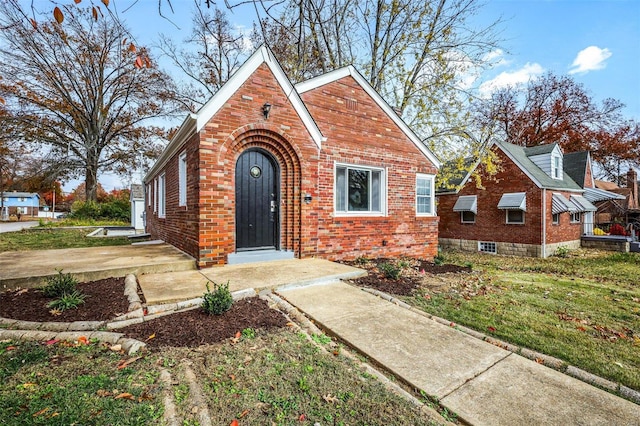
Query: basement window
{"x": 487, "y": 247}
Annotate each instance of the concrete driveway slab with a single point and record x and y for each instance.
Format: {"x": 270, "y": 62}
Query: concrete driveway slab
{"x": 30, "y": 268}
{"x": 517, "y": 391}
{"x": 428, "y": 355}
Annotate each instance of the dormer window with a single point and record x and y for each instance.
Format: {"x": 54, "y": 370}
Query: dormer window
{"x": 556, "y": 166}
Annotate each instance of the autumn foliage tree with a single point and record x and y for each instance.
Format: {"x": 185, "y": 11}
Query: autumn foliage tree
{"x": 558, "y": 109}
{"x": 80, "y": 90}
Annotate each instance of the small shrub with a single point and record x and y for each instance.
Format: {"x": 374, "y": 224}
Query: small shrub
{"x": 562, "y": 251}
{"x": 249, "y": 333}
{"x": 67, "y": 301}
{"x": 404, "y": 263}
{"x": 390, "y": 270}
{"x": 218, "y": 301}
{"x": 617, "y": 229}
{"x": 362, "y": 261}
{"x": 438, "y": 259}
{"x": 59, "y": 285}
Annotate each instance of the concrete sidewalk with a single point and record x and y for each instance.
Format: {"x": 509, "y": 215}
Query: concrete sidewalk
{"x": 482, "y": 383}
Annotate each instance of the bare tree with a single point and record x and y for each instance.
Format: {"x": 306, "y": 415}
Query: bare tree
{"x": 81, "y": 90}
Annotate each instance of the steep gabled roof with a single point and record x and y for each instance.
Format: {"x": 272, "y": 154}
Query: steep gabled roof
{"x": 195, "y": 122}
{"x": 575, "y": 165}
{"x": 332, "y": 76}
{"x": 520, "y": 156}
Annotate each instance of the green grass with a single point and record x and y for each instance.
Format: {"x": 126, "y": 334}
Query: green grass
{"x": 584, "y": 309}
{"x": 280, "y": 378}
{"x": 41, "y": 239}
{"x": 47, "y": 223}
{"x": 63, "y": 385}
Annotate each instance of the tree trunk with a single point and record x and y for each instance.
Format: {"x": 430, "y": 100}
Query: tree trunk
{"x": 91, "y": 183}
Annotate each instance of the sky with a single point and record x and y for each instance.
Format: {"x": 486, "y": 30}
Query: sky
{"x": 596, "y": 42}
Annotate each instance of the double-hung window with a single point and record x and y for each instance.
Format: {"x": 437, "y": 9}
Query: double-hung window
{"x": 182, "y": 179}
{"x": 359, "y": 190}
{"x": 424, "y": 195}
{"x": 161, "y": 195}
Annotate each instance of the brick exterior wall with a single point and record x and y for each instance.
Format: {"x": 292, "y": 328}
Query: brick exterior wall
{"x": 205, "y": 228}
{"x": 491, "y": 226}
{"x": 360, "y": 133}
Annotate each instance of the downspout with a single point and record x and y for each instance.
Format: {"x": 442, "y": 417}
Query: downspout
{"x": 544, "y": 223}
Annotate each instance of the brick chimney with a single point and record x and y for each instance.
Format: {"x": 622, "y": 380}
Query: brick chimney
{"x": 632, "y": 183}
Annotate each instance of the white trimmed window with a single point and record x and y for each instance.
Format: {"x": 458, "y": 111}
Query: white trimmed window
{"x": 161, "y": 195}
{"x": 148, "y": 195}
{"x": 487, "y": 247}
{"x": 424, "y": 195}
{"x": 182, "y": 179}
{"x": 515, "y": 216}
{"x": 555, "y": 218}
{"x": 467, "y": 217}
{"x": 359, "y": 190}
{"x": 556, "y": 166}
{"x": 576, "y": 217}
{"x": 155, "y": 195}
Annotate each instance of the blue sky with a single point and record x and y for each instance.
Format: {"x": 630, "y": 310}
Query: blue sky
{"x": 597, "y": 42}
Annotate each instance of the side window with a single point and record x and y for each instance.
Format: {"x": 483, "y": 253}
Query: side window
{"x": 515, "y": 216}
{"x": 182, "y": 179}
{"x": 424, "y": 195}
{"x": 359, "y": 190}
{"x": 161, "y": 195}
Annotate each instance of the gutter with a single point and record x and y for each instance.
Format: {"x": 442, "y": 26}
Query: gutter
{"x": 544, "y": 223}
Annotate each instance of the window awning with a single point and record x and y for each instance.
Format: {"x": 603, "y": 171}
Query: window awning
{"x": 596, "y": 194}
{"x": 513, "y": 201}
{"x": 583, "y": 204}
{"x": 466, "y": 203}
{"x": 559, "y": 204}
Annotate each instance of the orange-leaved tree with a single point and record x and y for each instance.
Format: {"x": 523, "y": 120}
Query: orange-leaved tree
{"x": 81, "y": 90}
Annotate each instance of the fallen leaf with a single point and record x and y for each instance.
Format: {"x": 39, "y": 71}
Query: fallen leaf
{"x": 125, "y": 395}
{"x": 10, "y": 348}
{"x": 103, "y": 393}
{"x": 232, "y": 377}
{"x": 41, "y": 412}
{"x": 83, "y": 340}
{"x": 51, "y": 342}
{"x": 124, "y": 363}
{"x": 116, "y": 348}
{"x": 302, "y": 418}
{"x": 330, "y": 399}
{"x": 152, "y": 336}
{"x": 244, "y": 413}
{"x": 234, "y": 422}
{"x": 491, "y": 329}
{"x": 290, "y": 324}
{"x": 540, "y": 360}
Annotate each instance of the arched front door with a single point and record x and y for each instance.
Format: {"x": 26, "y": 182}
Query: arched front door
{"x": 257, "y": 189}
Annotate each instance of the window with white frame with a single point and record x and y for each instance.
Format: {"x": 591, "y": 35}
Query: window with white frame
{"x": 576, "y": 217}
{"x": 424, "y": 195}
{"x": 161, "y": 195}
{"x": 148, "y": 195}
{"x": 155, "y": 195}
{"x": 182, "y": 179}
{"x": 487, "y": 247}
{"x": 555, "y": 218}
{"x": 515, "y": 216}
{"x": 467, "y": 217}
{"x": 556, "y": 167}
{"x": 359, "y": 190}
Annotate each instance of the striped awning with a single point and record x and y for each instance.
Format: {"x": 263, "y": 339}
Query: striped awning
{"x": 583, "y": 204}
{"x": 513, "y": 201}
{"x": 466, "y": 203}
{"x": 596, "y": 194}
{"x": 559, "y": 204}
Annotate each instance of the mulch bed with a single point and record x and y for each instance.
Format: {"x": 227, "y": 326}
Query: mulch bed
{"x": 409, "y": 279}
{"x": 104, "y": 300}
{"x": 195, "y": 327}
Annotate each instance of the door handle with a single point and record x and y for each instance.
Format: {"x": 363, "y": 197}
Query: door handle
{"x": 273, "y": 206}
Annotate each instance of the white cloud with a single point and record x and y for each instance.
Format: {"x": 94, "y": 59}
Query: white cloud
{"x": 496, "y": 58}
{"x": 590, "y": 59}
{"x": 511, "y": 78}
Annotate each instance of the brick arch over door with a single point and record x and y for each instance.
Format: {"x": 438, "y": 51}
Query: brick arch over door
{"x": 288, "y": 159}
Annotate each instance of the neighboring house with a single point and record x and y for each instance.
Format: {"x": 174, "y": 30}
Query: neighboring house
{"x": 136, "y": 198}
{"x": 19, "y": 203}
{"x": 625, "y": 209}
{"x": 537, "y": 202}
{"x": 268, "y": 170}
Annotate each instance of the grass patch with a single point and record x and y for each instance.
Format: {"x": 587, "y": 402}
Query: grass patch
{"x": 281, "y": 378}
{"x": 66, "y": 384}
{"x": 39, "y": 239}
{"x": 47, "y": 223}
{"x": 581, "y": 309}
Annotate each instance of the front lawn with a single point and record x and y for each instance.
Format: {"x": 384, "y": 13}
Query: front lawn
{"x": 583, "y": 309}
{"x": 44, "y": 239}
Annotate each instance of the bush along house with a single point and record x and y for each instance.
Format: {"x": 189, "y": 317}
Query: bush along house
{"x": 539, "y": 200}
{"x": 268, "y": 170}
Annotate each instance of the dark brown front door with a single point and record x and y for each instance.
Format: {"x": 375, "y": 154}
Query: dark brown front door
{"x": 257, "y": 190}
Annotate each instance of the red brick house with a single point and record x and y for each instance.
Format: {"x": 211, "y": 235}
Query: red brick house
{"x": 537, "y": 202}
{"x": 268, "y": 170}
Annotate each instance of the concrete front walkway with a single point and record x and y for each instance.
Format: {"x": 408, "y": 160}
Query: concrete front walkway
{"x": 176, "y": 286}
{"x": 482, "y": 383}
{"x": 30, "y": 268}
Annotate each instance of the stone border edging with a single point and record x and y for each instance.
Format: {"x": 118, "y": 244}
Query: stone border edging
{"x": 547, "y": 360}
